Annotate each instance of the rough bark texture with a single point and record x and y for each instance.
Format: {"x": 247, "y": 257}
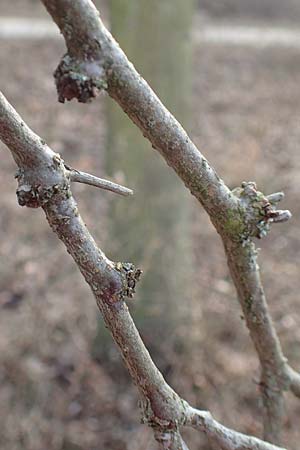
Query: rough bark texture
{"x": 237, "y": 216}
{"x": 94, "y": 58}
{"x": 94, "y": 62}
{"x": 44, "y": 181}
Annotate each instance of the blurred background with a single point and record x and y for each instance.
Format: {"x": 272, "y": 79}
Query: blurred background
{"x": 229, "y": 70}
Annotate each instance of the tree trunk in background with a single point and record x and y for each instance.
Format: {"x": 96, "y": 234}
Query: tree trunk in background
{"x": 152, "y": 229}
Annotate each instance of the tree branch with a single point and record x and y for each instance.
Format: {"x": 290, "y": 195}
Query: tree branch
{"x": 294, "y": 378}
{"x": 223, "y": 437}
{"x": 95, "y": 62}
{"x": 274, "y": 380}
{"x": 44, "y": 181}
{"x": 86, "y": 178}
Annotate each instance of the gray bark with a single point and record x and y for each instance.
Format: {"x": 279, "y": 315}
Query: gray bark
{"x": 237, "y": 216}
{"x": 94, "y": 62}
{"x": 160, "y": 209}
{"x": 44, "y": 181}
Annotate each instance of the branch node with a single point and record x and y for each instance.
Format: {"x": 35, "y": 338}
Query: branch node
{"x": 132, "y": 276}
{"x": 260, "y": 210}
{"x": 79, "y": 79}
{"x": 36, "y": 188}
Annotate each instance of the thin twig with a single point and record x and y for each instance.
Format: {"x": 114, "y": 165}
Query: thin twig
{"x": 223, "y": 437}
{"x": 275, "y": 198}
{"x": 86, "y": 178}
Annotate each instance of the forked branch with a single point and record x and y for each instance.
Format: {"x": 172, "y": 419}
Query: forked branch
{"x": 43, "y": 181}
{"x": 95, "y": 62}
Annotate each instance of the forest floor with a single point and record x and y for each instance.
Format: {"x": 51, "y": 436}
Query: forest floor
{"x": 53, "y": 394}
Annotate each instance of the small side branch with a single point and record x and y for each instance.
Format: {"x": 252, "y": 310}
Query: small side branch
{"x": 275, "y": 198}
{"x": 86, "y": 178}
{"x": 224, "y": 438}
{"x": 110, "y": 283}
{"x": 294, "y": 378}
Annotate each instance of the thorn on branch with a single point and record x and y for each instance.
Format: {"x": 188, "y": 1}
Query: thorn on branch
{"x": 260, "y": 210}
{"x": 82, "y": 177}
{"x": 275, "y": 198}
{"x": 280, "y": 216}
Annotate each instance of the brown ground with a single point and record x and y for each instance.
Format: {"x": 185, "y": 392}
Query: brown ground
{"x": 53, "y": 395}
{"x": 287, "y": 11}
